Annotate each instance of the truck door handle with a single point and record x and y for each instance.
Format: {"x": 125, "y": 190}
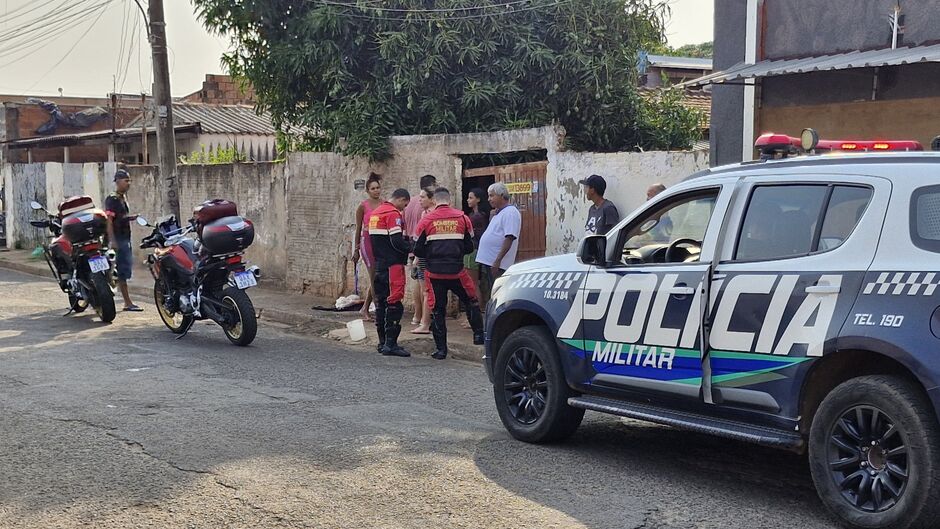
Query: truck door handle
{"x": 681, "y": 289}
{"x": 824, "y": 289}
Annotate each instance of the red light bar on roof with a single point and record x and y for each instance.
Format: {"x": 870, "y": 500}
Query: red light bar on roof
{"x": 881, "y": 145}
{"x": 771, "y": 143}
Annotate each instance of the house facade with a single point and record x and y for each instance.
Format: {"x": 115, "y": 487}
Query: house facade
{"x": 851, "y": 69}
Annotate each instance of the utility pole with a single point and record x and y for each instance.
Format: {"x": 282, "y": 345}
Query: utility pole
{"x": 163, "y": 111}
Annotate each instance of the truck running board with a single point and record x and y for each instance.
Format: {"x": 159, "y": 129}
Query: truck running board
{"x": 739, "y": 431}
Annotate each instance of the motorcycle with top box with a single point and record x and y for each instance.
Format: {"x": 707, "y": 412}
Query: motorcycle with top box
{"x": 77, "y": 255}
{"x": 205, "y": 277}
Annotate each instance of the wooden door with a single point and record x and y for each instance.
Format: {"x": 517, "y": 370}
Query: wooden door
{"x": 526, "y": 183}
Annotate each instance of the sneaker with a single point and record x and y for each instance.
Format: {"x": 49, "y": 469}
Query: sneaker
{"x": 478, "y": 338}
{"x": 439, "y": 355}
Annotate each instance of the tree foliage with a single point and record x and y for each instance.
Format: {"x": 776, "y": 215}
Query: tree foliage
{"x": 703, "y": 50}
{"x": 358, "y": 71}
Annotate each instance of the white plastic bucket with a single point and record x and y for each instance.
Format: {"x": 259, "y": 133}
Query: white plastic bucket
{"x": 357, "y": 330}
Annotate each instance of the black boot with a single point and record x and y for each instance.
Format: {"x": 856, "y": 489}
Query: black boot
{"x": 439, "y": 331}
{"x": 392, "y": 330}
{"x": 475, "y": 318}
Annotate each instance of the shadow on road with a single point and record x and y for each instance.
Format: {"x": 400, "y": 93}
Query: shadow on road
{"x": 636, "y": 468}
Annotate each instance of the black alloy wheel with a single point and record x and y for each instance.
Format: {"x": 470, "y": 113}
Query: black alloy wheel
{"x": 530, "y": 389}
{"x": 874, "y": 453}
{"x": 526, "y": 385}
{"x": 868, "y": 458}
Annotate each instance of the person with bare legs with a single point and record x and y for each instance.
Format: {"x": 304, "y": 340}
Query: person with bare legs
{"x": 363, "y": 242}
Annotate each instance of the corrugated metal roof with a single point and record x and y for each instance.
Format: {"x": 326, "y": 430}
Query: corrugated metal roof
{"x": 100, "y": 136}
{"x": 221, "y": 119}
{"x": 841, "y": 61}
{"x": 668, "y": 61}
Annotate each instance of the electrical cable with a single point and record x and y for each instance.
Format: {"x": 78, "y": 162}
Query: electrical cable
{"x": 127, "y": 63}
{"x": 25, "y": 50}
{"x": 75, "y": 45}
{"x": 43, "y": 21}
{"x": 122, "y": 44}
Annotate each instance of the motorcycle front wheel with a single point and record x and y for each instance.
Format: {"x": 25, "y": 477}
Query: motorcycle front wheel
{"x": 177, "y": 322}
{"x": 241, "y": 313}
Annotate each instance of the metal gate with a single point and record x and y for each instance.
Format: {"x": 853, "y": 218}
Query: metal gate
{"x": 526, "y": 183}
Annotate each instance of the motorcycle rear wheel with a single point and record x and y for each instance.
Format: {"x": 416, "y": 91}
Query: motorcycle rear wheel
{"x": 239, "y": 305}
{"x": 104, "y": 298}
{"x": 177, "y": 322}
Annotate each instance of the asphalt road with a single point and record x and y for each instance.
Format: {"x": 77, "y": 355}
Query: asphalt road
{"x": 122, "y": 426}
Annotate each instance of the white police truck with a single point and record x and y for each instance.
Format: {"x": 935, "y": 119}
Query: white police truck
{"x": 792, "y": 302}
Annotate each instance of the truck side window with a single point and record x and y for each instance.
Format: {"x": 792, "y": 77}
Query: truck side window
{"x": 783, "y": 221}
{"x": 685, "y": 217}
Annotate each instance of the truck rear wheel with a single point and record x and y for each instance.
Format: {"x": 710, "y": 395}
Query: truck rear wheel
{"x": 530, "y": 389}
{"x": 874, "y": 452}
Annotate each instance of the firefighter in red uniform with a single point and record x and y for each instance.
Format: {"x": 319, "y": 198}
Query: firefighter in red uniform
{"x": 445, "y": 236}
{"x": 391, "y": 250}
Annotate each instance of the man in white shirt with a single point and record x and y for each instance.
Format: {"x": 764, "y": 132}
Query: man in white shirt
{"x": 500, "y": 241}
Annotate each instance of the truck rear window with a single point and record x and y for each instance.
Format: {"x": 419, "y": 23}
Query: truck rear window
{"x": 925, "y": 218}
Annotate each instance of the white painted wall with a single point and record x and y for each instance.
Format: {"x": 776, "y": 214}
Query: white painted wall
{"x": 628, "y": 175}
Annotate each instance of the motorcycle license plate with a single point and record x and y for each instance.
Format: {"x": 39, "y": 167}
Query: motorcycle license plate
{"x": 244, "y": 280}
{"x": 98, "y": 264}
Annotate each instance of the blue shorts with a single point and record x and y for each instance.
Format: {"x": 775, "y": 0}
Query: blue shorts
{"x": 124, "y": 259}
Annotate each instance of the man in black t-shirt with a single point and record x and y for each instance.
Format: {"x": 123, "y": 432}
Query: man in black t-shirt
{"x": 603, "y": 215}
{"x": 119, "y": 234}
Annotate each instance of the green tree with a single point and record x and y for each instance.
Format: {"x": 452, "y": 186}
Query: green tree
{"x": 700, "y": 51}
{"x": 358, "y": 71}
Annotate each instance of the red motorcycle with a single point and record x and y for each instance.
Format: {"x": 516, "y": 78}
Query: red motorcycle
{"x": 77, "y": 255}
{"x": 204, "y": 277}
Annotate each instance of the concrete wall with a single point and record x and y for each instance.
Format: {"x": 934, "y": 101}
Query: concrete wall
{"x": 304, "y": 210}
{"x": 797, "y": 28}
{"x": 628, "y": 175}
{"x": 260, "y": 190}
{"x": 323, "y": 200}
{"x": 23, "y": 183}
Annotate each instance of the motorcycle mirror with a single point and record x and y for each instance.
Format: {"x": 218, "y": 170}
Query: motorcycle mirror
{"x": 142, "y": 221}
{"x": 36, "y": 205}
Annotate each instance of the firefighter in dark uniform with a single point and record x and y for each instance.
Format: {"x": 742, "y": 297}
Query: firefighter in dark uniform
{"x": 391, "y": 249}
{"x": 445, "y": 236}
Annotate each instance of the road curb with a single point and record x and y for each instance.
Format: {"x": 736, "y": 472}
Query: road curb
{"x": 302, "y": 323}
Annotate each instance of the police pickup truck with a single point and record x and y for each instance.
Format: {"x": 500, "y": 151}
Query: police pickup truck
{"x": 792, "y": 302}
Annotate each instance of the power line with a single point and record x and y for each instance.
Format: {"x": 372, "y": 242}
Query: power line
{"x": 122, "y": 45}
{"x": 25, "y": 49}
{"x": 43, "y": 21}
{"x": 75, "y": 45}
{"x": 11, "y": 15}
{"x": 24, "y": 44}
{"x": 133, "y": 44}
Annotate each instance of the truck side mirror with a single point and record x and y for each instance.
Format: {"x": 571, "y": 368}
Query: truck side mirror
{"x": 593, "y": 250}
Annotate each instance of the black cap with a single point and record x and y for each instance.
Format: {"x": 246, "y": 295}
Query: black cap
{"x": 597, "y": 182}
{"x": 121, "y": 174}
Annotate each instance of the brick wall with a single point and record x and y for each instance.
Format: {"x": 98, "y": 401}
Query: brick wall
{"x": 22, "y": 121}
{"x": 222, "y": 90}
